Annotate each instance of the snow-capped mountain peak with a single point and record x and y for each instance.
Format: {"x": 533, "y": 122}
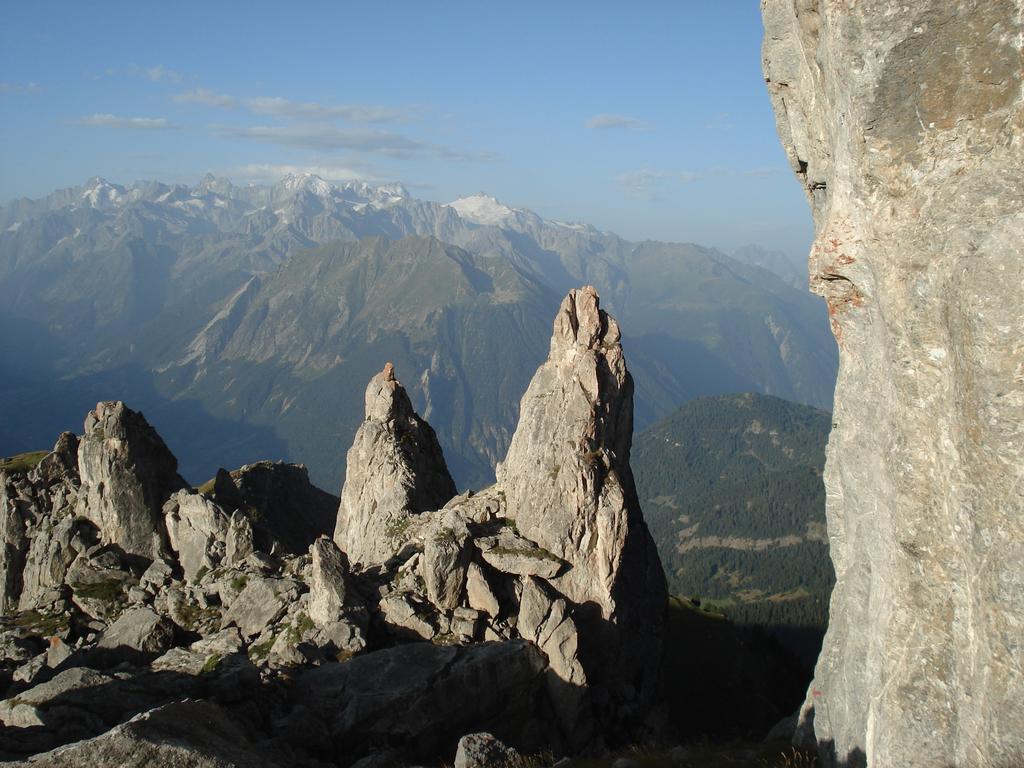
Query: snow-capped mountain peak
{"x": 360, "y": 192}
{"x": 100, "y": 193}
{"x": 482, "y": 208}
{"x": 309, "y": 182}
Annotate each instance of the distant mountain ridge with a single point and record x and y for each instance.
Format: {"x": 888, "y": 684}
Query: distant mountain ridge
{"x": 185, "y": 300}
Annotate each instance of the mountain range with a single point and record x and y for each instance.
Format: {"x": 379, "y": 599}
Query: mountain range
{"x": 245, "y": 319}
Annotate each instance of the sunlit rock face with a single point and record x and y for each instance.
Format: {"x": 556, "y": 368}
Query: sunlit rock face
{"x": 568, "y": 484}
{"x": 905, "y": 123}
{"x": 127, "y": 473}
{"x": 395, "y": 470}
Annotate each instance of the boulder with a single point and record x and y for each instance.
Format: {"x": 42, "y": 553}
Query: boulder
{"x": 262, "y": 602}
{"x": 421, "y": 698}
{"x": 196, "y": 734}
{"x": 239, "y": 542}
{"x": 483, "y": 750}
{"x": 38, "y": 537}
{"x": 510, "y": 553}
{"x": 904, "y": 124}
{"x": 479, "y": 594}
{"x": 99, "y": 582}
{"x": 544, "y": 619}
{"x": 196, "y": 531}
{"x": 395, "y": 469}
{"x": 330, "y": 590}
{"x": 127, "y": 472}
{"x": 334, "y": 605}
{"x": 409, "y": 617}
{"x": 54, "y": 545}
{"x": 446, "y": 556}
{"x": 156, "y": 575}
{"x": 137, "y": 633}
{"x": 13, "y": 541}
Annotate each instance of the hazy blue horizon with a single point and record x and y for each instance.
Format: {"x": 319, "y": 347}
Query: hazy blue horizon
{"x": 652, "y": 122}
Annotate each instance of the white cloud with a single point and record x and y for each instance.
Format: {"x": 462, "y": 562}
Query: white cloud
{"x": 206, "y": 97}
{"x": 647, "y": 184}
{"x": 160, "y": 72}
{"x": 100, "y": 120}
{"x": 605, "y": 121}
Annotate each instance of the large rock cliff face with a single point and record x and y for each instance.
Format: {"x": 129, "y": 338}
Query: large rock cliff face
{"x": 905, "y": 122}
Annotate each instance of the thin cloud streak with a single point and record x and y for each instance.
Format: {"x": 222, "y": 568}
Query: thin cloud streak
{"x": 160, "y": 72}
{"x": 206, "y": 97}
{"x": 647, "y": 184}
{"x": 29, "y": 87}
{"x": 277, "y": 106}
{"x": 102, "y": 120}
{"x": 606, "y": 121}
{"x": 332, "y": 138}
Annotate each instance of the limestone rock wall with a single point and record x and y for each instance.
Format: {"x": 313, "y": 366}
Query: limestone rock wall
{"x": 905, "y": 123}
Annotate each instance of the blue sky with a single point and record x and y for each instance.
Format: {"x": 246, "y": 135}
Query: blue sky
{"x": 649, "y": 119}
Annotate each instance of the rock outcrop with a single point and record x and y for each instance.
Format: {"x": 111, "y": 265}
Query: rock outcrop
{"x": 556, "y": 552}
{"x": 905, "y": 124}
{"x": 284, "y": 508}
{"x": 569, "y": 487}
{"x": 395, "y": 470}
{"x": 426, "y": 696}
{"x": 127, "y": 472}
{"x": 38, "y": 534}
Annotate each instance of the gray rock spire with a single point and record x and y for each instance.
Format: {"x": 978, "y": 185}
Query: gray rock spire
{"x": 568, "y": 486}
{"x": 127, "y": 472}
{"x": 395, "y": 469}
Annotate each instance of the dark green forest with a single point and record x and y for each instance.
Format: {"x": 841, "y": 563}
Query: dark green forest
{"x": 731, "y": 487}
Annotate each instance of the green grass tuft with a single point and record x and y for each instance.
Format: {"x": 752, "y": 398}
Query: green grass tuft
{"x": 22, "y": 462}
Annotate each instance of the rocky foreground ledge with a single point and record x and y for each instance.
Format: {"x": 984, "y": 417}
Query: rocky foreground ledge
{"x": 151, "y": 622}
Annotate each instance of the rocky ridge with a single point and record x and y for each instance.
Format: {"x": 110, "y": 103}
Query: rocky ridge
{"x": 905, "y": 124}
{"x": 144, "y": 617}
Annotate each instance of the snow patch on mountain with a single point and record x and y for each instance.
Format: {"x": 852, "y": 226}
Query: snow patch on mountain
{"x": 482, "y": 208}
{"x": 100, "y": 193}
